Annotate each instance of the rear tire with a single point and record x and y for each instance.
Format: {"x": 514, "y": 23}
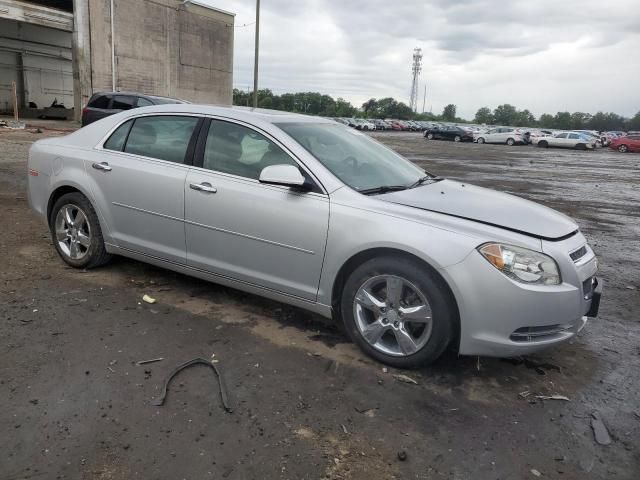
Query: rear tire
{"x": 623, "y": 149}
{"x": 395, "y": 334}
{"x": 76, "y": 233}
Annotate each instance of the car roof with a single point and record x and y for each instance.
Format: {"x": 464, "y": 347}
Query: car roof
{"x": 138, "y": 94}
{"x": 239, "y": 113}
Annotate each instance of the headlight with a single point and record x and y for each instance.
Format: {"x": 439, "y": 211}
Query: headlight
{"x": 521, "y": 264}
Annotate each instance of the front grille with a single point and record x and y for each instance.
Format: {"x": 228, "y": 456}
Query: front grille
{"x": 579, "y": 253}
{"x": 532, "y": 334}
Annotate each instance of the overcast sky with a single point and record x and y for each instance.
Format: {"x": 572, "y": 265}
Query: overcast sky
{"x": 544, "y": 55}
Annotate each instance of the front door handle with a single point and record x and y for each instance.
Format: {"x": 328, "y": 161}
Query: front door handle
{"x": 104, "y": 166}
{"x": 203, "y": 187}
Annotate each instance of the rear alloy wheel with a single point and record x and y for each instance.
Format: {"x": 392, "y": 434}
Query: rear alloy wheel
{"x": 623, "y": 149}
{"x": 397, "y": 312}
{"x": 76, "y": 232}
{"x": 429, "y": 136}
{"x": 481, "y": 140}
{"x": 457, "y": 138}
{"x": 511, "y": 142}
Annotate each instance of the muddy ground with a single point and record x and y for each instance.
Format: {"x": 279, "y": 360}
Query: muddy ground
{"x": 307, "y": 404}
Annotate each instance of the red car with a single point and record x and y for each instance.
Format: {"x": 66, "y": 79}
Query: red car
{"x": 629, "y": 143}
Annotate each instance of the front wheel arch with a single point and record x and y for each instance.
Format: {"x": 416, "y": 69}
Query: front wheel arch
{"x": 361, "y": 257}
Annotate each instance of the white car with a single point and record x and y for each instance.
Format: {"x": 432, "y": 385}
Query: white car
{"x": 576, "y": 140}
{"x": 507, "y": 135}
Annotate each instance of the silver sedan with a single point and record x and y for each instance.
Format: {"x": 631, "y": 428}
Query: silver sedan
{"x": 315, "y": 214}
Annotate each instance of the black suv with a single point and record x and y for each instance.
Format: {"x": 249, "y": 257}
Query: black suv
{"x": 103, "y": 104}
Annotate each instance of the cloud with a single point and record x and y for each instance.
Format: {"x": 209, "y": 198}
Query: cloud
{"x": 544, "y": 55}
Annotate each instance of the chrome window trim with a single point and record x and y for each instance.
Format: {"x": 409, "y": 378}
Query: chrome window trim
{"x": 103, "y": 140}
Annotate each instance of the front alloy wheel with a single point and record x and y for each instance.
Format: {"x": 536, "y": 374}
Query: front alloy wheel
{"x": 398, "y": 311}
{"x": 622, "y": 149}
{"x": 392, "y": 315}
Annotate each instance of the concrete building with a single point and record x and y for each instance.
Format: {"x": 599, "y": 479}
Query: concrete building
{"x": 65, "y": 50}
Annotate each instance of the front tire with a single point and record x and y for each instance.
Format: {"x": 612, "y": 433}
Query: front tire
{"x": 511, "y": 142}
{"x": 76, "y": 233}
{"x": 398, "y": 312}
{"x": 543, "y": 144}
{"x": 429, "y": 136}
{"x": 623, "y": 149}
{"x": 457, "y": 138}
{"x": 481, "y": 140}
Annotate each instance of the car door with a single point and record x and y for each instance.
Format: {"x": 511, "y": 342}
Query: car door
{"x": 559, "y": 140}
{"x": 488, "y": 136}
{"x": 138, "y": 178}
{"x": 237, "y": 227}
{"x": 573, "y": 139}
{"x": 499, "y": 135}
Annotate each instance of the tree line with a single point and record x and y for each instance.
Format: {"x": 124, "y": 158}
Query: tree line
{"x": 315, "y": 103}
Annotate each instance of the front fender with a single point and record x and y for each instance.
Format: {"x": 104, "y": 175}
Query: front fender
{"x": 353, "y": 230}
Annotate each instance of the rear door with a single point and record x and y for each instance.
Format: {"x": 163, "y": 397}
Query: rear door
{"x": 237, "y": 227}
{"x": 138, "y": 183}
{"x": 573, "y": 139}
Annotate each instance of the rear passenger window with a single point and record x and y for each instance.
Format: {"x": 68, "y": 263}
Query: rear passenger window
{"x": 101, "y": 101}
{"x": 117, "y": 138}
{"x": 143, "y": 102}
{"x": 238, "y": 150}
{"x": 162, "y": 137}
{"x": 123, "y": 103}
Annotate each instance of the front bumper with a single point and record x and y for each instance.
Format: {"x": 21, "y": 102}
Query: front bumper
{"x": 502, "y": 318}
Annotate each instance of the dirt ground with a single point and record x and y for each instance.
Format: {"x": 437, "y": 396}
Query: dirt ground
{"x": 306, "y": 403}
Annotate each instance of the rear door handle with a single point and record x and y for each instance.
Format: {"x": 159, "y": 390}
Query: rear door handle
{"x": 203, "y": 187}
{"x": 104, "y": 166}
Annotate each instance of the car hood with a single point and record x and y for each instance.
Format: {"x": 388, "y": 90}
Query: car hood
{"x": 486, "y": 206}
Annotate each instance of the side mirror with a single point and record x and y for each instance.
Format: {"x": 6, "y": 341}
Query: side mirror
{"x": 285, "y": 175}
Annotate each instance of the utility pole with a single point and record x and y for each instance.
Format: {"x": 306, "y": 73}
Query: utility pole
{"x": 15, "y": 100}
{"x": 113, "y": 49}
{"x": 424, "y": 98}
{"x": 416, "y": 68}
{"x": 255, "y": 60}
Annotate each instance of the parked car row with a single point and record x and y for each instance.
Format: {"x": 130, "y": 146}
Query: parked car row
{"x": 387, "y": 124}
{"x": 577, "y": 139}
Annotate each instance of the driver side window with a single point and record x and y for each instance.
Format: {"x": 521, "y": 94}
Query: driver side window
{"x": 238, "y": 150}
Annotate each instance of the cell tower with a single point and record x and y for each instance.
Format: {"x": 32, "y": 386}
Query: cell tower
{"x": 416, "y": 69}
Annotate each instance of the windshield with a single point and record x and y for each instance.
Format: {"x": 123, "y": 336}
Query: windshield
{"x": 353, "y": 157}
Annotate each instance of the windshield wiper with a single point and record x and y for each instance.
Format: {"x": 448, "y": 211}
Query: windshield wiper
{"x": 382, "y": 189}
{"x": 422, "y": 180}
